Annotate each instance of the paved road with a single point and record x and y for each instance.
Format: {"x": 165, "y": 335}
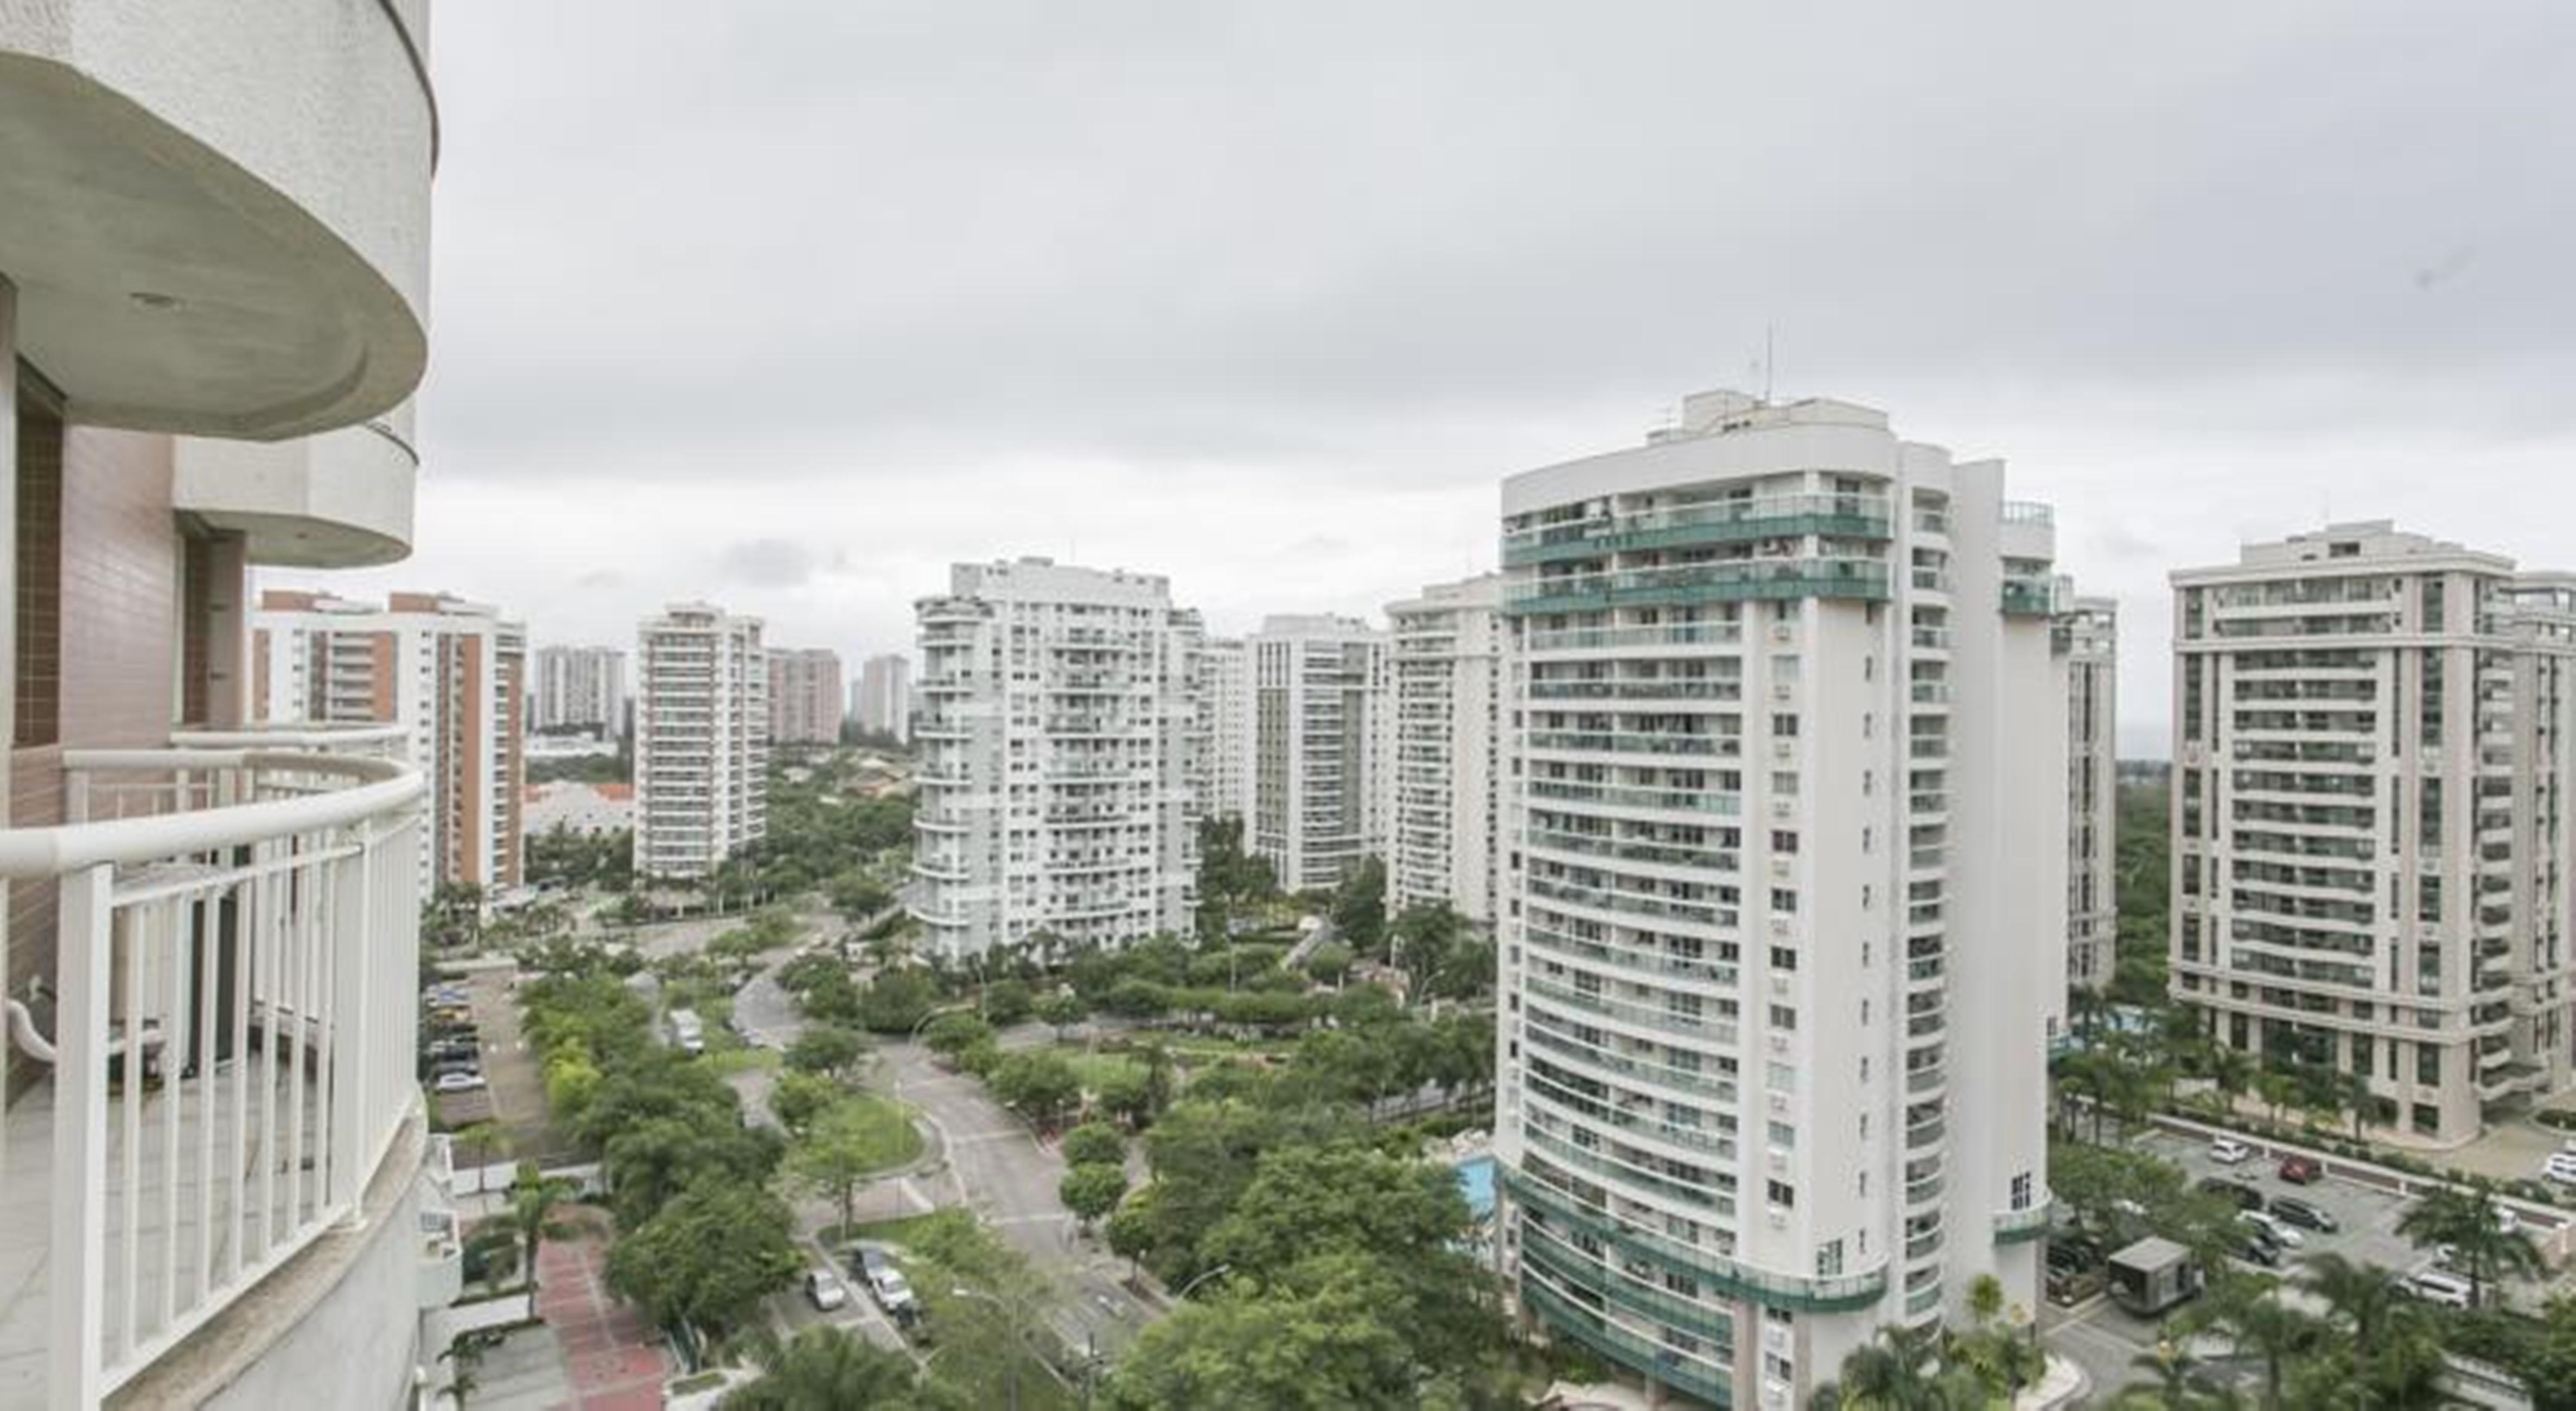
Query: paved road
{"x": 1000, "y": 1170}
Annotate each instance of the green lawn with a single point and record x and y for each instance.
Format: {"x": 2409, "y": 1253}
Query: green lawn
{"x": 890, "y": 1138}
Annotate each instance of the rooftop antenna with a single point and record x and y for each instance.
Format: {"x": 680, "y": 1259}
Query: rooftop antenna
{"x": 1766, "y": 364}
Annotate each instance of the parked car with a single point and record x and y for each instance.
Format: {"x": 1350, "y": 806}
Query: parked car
{"x": 885, "y": 1282}
{"x": 825, "y": 1289}
{"x": 2560, "y": 1167}
{"x": 2228, "y": 1151}
{"x": 2507, "y": 1220}
{"x": 2433, "y": 1286}
{"x": 2301, "y": 1170}
{"x": 457, "y": 1082}
{"x": 2290, "y": 1210}
{"x": 2282, "y": 1232}
{"x": 2255, "y": 1245}
{"x": 2244, "y": 1196}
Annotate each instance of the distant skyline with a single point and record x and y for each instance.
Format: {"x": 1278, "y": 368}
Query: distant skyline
{"x": 791, "y": 305}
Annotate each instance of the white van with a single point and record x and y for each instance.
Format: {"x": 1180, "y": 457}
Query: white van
{"x": 687, "y": 1034}
{"x": 2433, "y": 1286}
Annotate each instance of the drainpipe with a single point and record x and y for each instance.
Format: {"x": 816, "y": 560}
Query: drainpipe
{"x": 8, "y": 604}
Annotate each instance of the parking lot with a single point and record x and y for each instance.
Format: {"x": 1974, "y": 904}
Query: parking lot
{"x": 2103, "y": 1338}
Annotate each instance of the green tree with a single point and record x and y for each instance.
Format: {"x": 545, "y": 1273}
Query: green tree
{"x": 896, "y": 1000}
{"x": 951, "y": 1034}
{"x": 1359, "y": 906}
{"x": 1092, "y": 1191}
{"x": 827, "y": 1368}
{"x": 2472, "y": 1224}
{"x": 709, "y": 1256}
{"x": 531, "y": 1216}
{"x": 798, "y": 1098}
{"x": 858, "y": 896}
{"x": 654, "y": 1160}
{"x": 1330, "y": 962}
{"x": 1061, "y": 1010}
{"x": 827, "y": 1049}
{"x": 2247, "y": 1310}
{"x": 1041, "y": 1085}
{"x": 1008, "y": 1002}
{"x": 1894, "y": 1371}
{"x": 1094, "y": 1144}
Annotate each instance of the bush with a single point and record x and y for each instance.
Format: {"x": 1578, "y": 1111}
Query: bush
{"x": 1093, "y": 1144}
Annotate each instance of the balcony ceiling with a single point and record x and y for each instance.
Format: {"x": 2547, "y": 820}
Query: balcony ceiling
{"x": 164, "y": 286}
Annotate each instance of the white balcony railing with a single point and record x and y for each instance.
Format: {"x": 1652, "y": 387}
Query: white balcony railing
{"x": 224, "y": 1039}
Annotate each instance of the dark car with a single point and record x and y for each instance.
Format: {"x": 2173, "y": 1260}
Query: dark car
{"x": 2301, "y": 1170}
{"x": 2256, "y": 1246}
{"x": 2244, "y": 1197}
{"x": 2290, "y": 1210}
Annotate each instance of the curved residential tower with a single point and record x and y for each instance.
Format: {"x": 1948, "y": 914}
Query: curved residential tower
{"x": 1783, "y": 894}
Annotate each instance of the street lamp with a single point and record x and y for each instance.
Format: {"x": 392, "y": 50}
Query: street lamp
{"x": 1203, "y": 1278}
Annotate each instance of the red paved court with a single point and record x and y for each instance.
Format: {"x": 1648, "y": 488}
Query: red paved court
{"x": 614, "y": 1358}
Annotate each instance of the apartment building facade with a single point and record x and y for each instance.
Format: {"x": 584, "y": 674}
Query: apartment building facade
{"x": 213, "y": 279}
{"x": 701, "y": 741}
{"x": 881, "y": 699}
{"x": 804, "y": 696}
{"x": 578, "y": 689}
{"x": 1226, "y": 690}
{"x": 1438, "y": 776}
{"x": 2371, "y": 768}
{"x": 2089, "y": 632}
{"x": 1058, "y": 742}
{"x": 1783, "y": 901}
{"x": 449, "y": 674}
{"x": 1319, "y": 692}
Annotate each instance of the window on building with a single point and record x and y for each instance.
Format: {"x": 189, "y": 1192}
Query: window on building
{"x": 1782, "y": 1194}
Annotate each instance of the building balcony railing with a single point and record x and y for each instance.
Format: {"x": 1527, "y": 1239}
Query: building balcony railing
{"x": 359, "y": 741}
{"x": 1731, "y": 1279}
{"x": 1683, "y": 585}
{"x": 2013, "y": 1226}
{"x": 1767, "y": 517}
{"x": 223, "y": 1033}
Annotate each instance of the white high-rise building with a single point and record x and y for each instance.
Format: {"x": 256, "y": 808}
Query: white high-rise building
{"x": 1228, "y": 695}
{"x": 1058, "y": 740}
{"x": 882, "y": 699}
{"x": 804, "y": 696}
{"x": 2089, "y": 634}
{"x": 1439, "y": 775}
{"x": 1317, "y": 685}
{"x": 2372, "y": 769}
{"x": 451, "y": 674}
{"x": 701, "y": 740}
{"x": 579, "y": 688}
{"x": 1784, "y": 909}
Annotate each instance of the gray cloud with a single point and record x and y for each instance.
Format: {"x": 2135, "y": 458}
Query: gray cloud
{"x": 765, "y": 563}
{"x": 1187, "y": 287}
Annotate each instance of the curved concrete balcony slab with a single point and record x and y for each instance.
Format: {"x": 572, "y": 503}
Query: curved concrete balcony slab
{"x": 342, "y": 499}
{"x": 216, "y": 214}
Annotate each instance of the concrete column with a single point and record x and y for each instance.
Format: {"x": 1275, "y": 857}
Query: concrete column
{"x": 8, "y": 603}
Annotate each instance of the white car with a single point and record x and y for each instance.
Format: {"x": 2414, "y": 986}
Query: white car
{"x": 2507, "y": 1221}
{"x": 2228, "y": 1151}
{"x": 457, "y": 1082}
{"x": 825, "y": 1290}
{"x": 2560, "y": 1167}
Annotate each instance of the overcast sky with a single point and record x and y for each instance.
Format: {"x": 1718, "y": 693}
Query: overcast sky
{"x": 789, "y": 306}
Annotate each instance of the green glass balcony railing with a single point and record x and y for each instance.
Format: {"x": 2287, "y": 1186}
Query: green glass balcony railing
{"x": 1733, "y": 521}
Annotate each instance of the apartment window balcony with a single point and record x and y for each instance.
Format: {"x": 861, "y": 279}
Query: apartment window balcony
{"x": 1766, "y": 517}
{"x": 1840, "y": 1293}
{"x": 188, "y": 1136}
{"x": 1684, "y": 585}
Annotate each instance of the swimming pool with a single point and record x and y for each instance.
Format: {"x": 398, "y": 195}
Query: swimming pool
{"x": 1476, "y": 1182}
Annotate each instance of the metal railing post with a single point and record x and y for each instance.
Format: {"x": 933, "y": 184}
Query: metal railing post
{"x": 79, "y": 1256}
{"x": 353, "y": 1047}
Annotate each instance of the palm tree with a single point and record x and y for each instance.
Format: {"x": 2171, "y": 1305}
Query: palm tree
{"x": 824, "y": 1366}
{"x": 530, "y": 1214}
{"x": 2172, "y": 1363}
{"x": 1891, "y": 1372}
{"x": 2253, "y": 1319}
{"x": 2358, "y": 1295}
{"x": 2469, "y": 1222}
